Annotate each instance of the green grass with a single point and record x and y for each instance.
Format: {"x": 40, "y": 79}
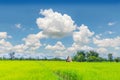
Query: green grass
{"x": 58, "y": 70}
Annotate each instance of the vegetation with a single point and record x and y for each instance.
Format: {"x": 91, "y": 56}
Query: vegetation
{"x": 92, "y": 56}
{"x": 117, "y": 59}
{"x": 58, "y": 70}
{"x": 110, "y": 57}
{"x": 80, "y": 56}
{"x": 12, "y": 55}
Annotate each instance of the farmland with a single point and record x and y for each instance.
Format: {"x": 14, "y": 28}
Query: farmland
{"x": 59, "y": 70}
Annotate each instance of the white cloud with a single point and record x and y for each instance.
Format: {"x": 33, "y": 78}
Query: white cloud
{"x": 4, "y": 35}
{"x": 19, "y": 48}
{"x": 5, "y": 43}
{"x": 81, "y": 39}
{"x": 76, "y": 47}
{"x": 117, "y": 48}
{"x": 56, "y": 47}
{"x": 31, "y": 43}
{"x": 55, "y": 24}
{"x": 108, "y": 42}
{"x": 111, "y": 23}
{"x": 5, "y": 46}
{"x": 81, "y": 47}
{"x": 18, "y": 26}
{"x": 110, "y": 32}
{"x": 102, "y": 50}
{"x": 97, "y": 36}
{"x": 82, "y": 36}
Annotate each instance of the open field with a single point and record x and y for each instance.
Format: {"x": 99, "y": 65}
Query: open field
{"x": 58, "y": 70}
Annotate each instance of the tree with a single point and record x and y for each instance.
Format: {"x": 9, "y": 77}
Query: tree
{"x": 117, "y": 59}
{"x": 80, "y": 56}
{"x": 92, "y": 53}
{"x": 110, "y": 57}
{"x": 12, "y": 55}
{"x": 93, "y": 56}
{"x": 92, "y": 59}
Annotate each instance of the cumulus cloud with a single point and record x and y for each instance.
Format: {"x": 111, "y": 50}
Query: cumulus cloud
{"x": 82, "y": 36}
{"x": 19, "y": 48}
{"x": 77, "y": 47}
{"x": 31, "y": 43}
{"x": 4, "y": 35}
{"x": 102, "y": 50}
{"x": 5, "y": 46}
{"x": 54, "y": 24}
{"x": 107, "y": 42}
{"x": 56, "y": 47}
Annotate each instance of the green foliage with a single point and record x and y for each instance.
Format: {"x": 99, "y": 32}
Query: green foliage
{"x": 90, "y": 56}
{"x": 92, "y": 59}
{"x": 80, "y": 56}
{"x": 92, "y": 53}
{"x": 110, "y": 57}
{"x": 117, "y": 59}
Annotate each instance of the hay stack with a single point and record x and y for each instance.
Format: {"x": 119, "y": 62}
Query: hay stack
{"x": 68, "y": 59}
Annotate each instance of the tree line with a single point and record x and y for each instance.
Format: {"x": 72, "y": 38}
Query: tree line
{"x": 12, "y": 57}
{"x": 80, "y": 56}
{"x": 93, "y": 56}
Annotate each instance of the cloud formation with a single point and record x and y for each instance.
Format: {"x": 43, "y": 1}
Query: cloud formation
{"x": 56, "y": 47}
{"x": 82, "y": 35}
{"x": 54, "y": 24}
{"x": 4, "y": 35}
{"x": 107, "y": 42}
{"x": 5, "y": 46}
{"x": 31, "y": 43}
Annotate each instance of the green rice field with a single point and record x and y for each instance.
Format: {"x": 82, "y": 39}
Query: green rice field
{"x": 58, "y": 70}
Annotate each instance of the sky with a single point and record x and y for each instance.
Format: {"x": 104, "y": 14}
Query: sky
{"x": 59, "y": 28}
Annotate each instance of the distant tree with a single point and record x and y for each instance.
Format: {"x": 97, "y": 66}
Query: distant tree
{"x": 45, "y": 58}
{"x": 110, "y": 57}
{"x": 56, "y": 59}
{"x": 117, "y": 59}
{"x": 101, "y": 59}
{"x": 21, "y": 58}
{"x": 80, "y": 56}
{"x": 12, "y": 55}
{"x": 0, "y": 58}
{"x": 4, "y": 58}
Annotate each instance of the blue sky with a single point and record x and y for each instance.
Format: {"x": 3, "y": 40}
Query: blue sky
{"x": 19, "y": 20}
